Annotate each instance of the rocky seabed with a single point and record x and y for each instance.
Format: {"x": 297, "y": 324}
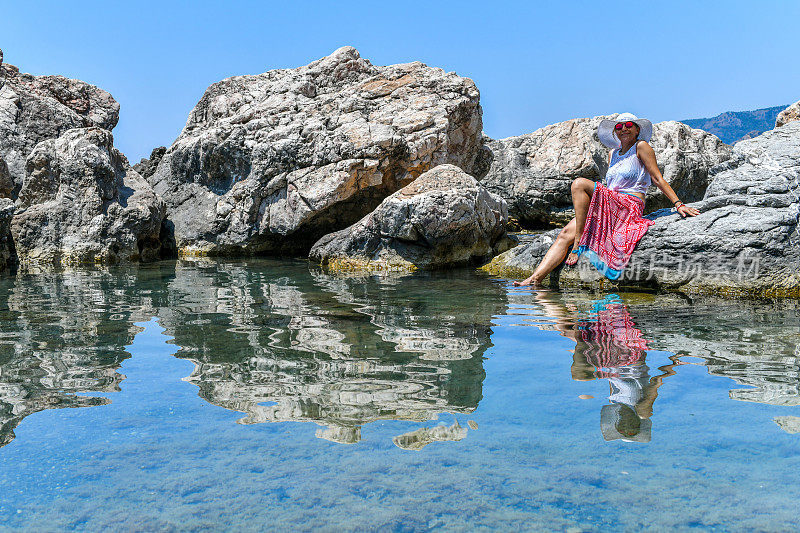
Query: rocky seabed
{"x": 373, "y": 168}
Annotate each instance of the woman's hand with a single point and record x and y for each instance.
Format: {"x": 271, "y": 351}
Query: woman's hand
{"x": 686, "y": 211}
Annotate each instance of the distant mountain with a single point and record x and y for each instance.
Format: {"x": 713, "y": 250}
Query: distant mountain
{"x": 735, "y": 126}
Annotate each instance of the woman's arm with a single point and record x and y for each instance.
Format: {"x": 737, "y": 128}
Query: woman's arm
{"x": 644, "y": 407}
{"x": 648, "y": 159}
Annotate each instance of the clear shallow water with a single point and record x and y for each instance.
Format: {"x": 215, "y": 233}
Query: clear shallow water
{"x": 409, "y": 403}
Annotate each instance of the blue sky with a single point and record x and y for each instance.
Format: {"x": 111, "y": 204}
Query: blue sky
{"x": 535, "y": 63}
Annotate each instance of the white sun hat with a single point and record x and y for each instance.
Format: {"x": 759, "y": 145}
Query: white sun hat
{"x": 605, "y": 131}
{"x": 620, "y": 421}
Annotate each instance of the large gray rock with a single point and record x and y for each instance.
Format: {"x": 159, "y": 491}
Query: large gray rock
{"x": 147, "y": 166}
{"x": 36, "y": 108}
{"x": 272, "y": 162}
{"x": 7, "y": 255}
{"x": 533, "y": 172}
{"x": 81, "y": 202}
{"x": 744, "y": 242}
{"x": 790, "y": 114}
{"x": 6, "y": 182}
{"x": 442, "y": 219}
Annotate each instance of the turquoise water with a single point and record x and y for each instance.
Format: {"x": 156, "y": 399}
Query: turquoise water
{"x": 212, "y": 395}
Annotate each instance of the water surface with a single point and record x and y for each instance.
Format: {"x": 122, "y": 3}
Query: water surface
{"x": 210, "y": 395}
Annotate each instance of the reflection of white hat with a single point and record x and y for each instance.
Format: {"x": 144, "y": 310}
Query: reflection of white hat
{"x": 620, "y": 421}
{"x": 605, "y": 131}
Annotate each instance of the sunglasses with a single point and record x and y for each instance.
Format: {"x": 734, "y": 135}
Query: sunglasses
{"x": 628, "y": 124}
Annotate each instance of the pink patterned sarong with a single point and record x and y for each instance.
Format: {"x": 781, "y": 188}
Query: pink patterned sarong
{"x": 614, "y": 225}
{"x": 612, "y": 338}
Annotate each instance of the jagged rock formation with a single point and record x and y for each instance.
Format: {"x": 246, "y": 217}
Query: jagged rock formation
{"x": 36, "y": 108}
{"x": 77, "y": 199}
{"x": 533, "y": 172}
{"x": 81, "y": 202}
{"x": 272, "y": 162}
{"x": 444, "y": 218}
{"x": 790, "y": 114}
{"x": 147, "y": 167}
{"x": 745, "y": 241}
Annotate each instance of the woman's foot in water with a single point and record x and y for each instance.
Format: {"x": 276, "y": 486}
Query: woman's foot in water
{"x": 572, "y": 256}
{"x": 532, "y": 281}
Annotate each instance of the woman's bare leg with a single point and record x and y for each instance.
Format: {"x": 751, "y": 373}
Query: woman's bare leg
{"x": 553, "y": 257}
{"x": 582, "y": 190}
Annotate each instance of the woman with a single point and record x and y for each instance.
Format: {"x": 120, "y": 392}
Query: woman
{"x": 608, "y": 219}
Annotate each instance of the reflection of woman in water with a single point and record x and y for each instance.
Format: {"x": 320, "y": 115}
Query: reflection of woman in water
{"x": 609, "y": 346}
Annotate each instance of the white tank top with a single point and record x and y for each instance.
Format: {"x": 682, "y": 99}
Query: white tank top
{"x": 629, "y": 384}
{"x": 626, "y": 173}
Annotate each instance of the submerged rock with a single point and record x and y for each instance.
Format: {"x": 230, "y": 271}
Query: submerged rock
{"x": 37, "y": 108}
{"x": 442, "y": 219}
{"x": 81, "y": 202}
{"x": 745, "y": 240}
{"x": 272, "y": 162}
{"x": 790, "y": 114}
{"x": 533, "y": 172}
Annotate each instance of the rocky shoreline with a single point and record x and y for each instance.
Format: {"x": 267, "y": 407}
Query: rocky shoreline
{"x": 371, "y": 168}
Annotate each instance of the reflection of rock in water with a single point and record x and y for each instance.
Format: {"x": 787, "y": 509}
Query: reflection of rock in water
{"x": 440, "y": 320}
{"x": 44, "y": 390}
{"x": 751, "y": 342}
{"x": 790, "y": 424}
{"x": 754, "y": 343}
{"x": 416, "y": 440}
{"x": 342, "y": 435}
{"x": 65, "y": 333}
{"x": 283, "y": 344}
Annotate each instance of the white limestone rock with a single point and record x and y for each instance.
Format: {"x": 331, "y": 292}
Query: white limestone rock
{"x": 444, "y": 218}
{"x": 790, "y": 114}
{"x": 37, "y": 108}
{"x": 272, "y": 162}
{"x": 81, "y": 202}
